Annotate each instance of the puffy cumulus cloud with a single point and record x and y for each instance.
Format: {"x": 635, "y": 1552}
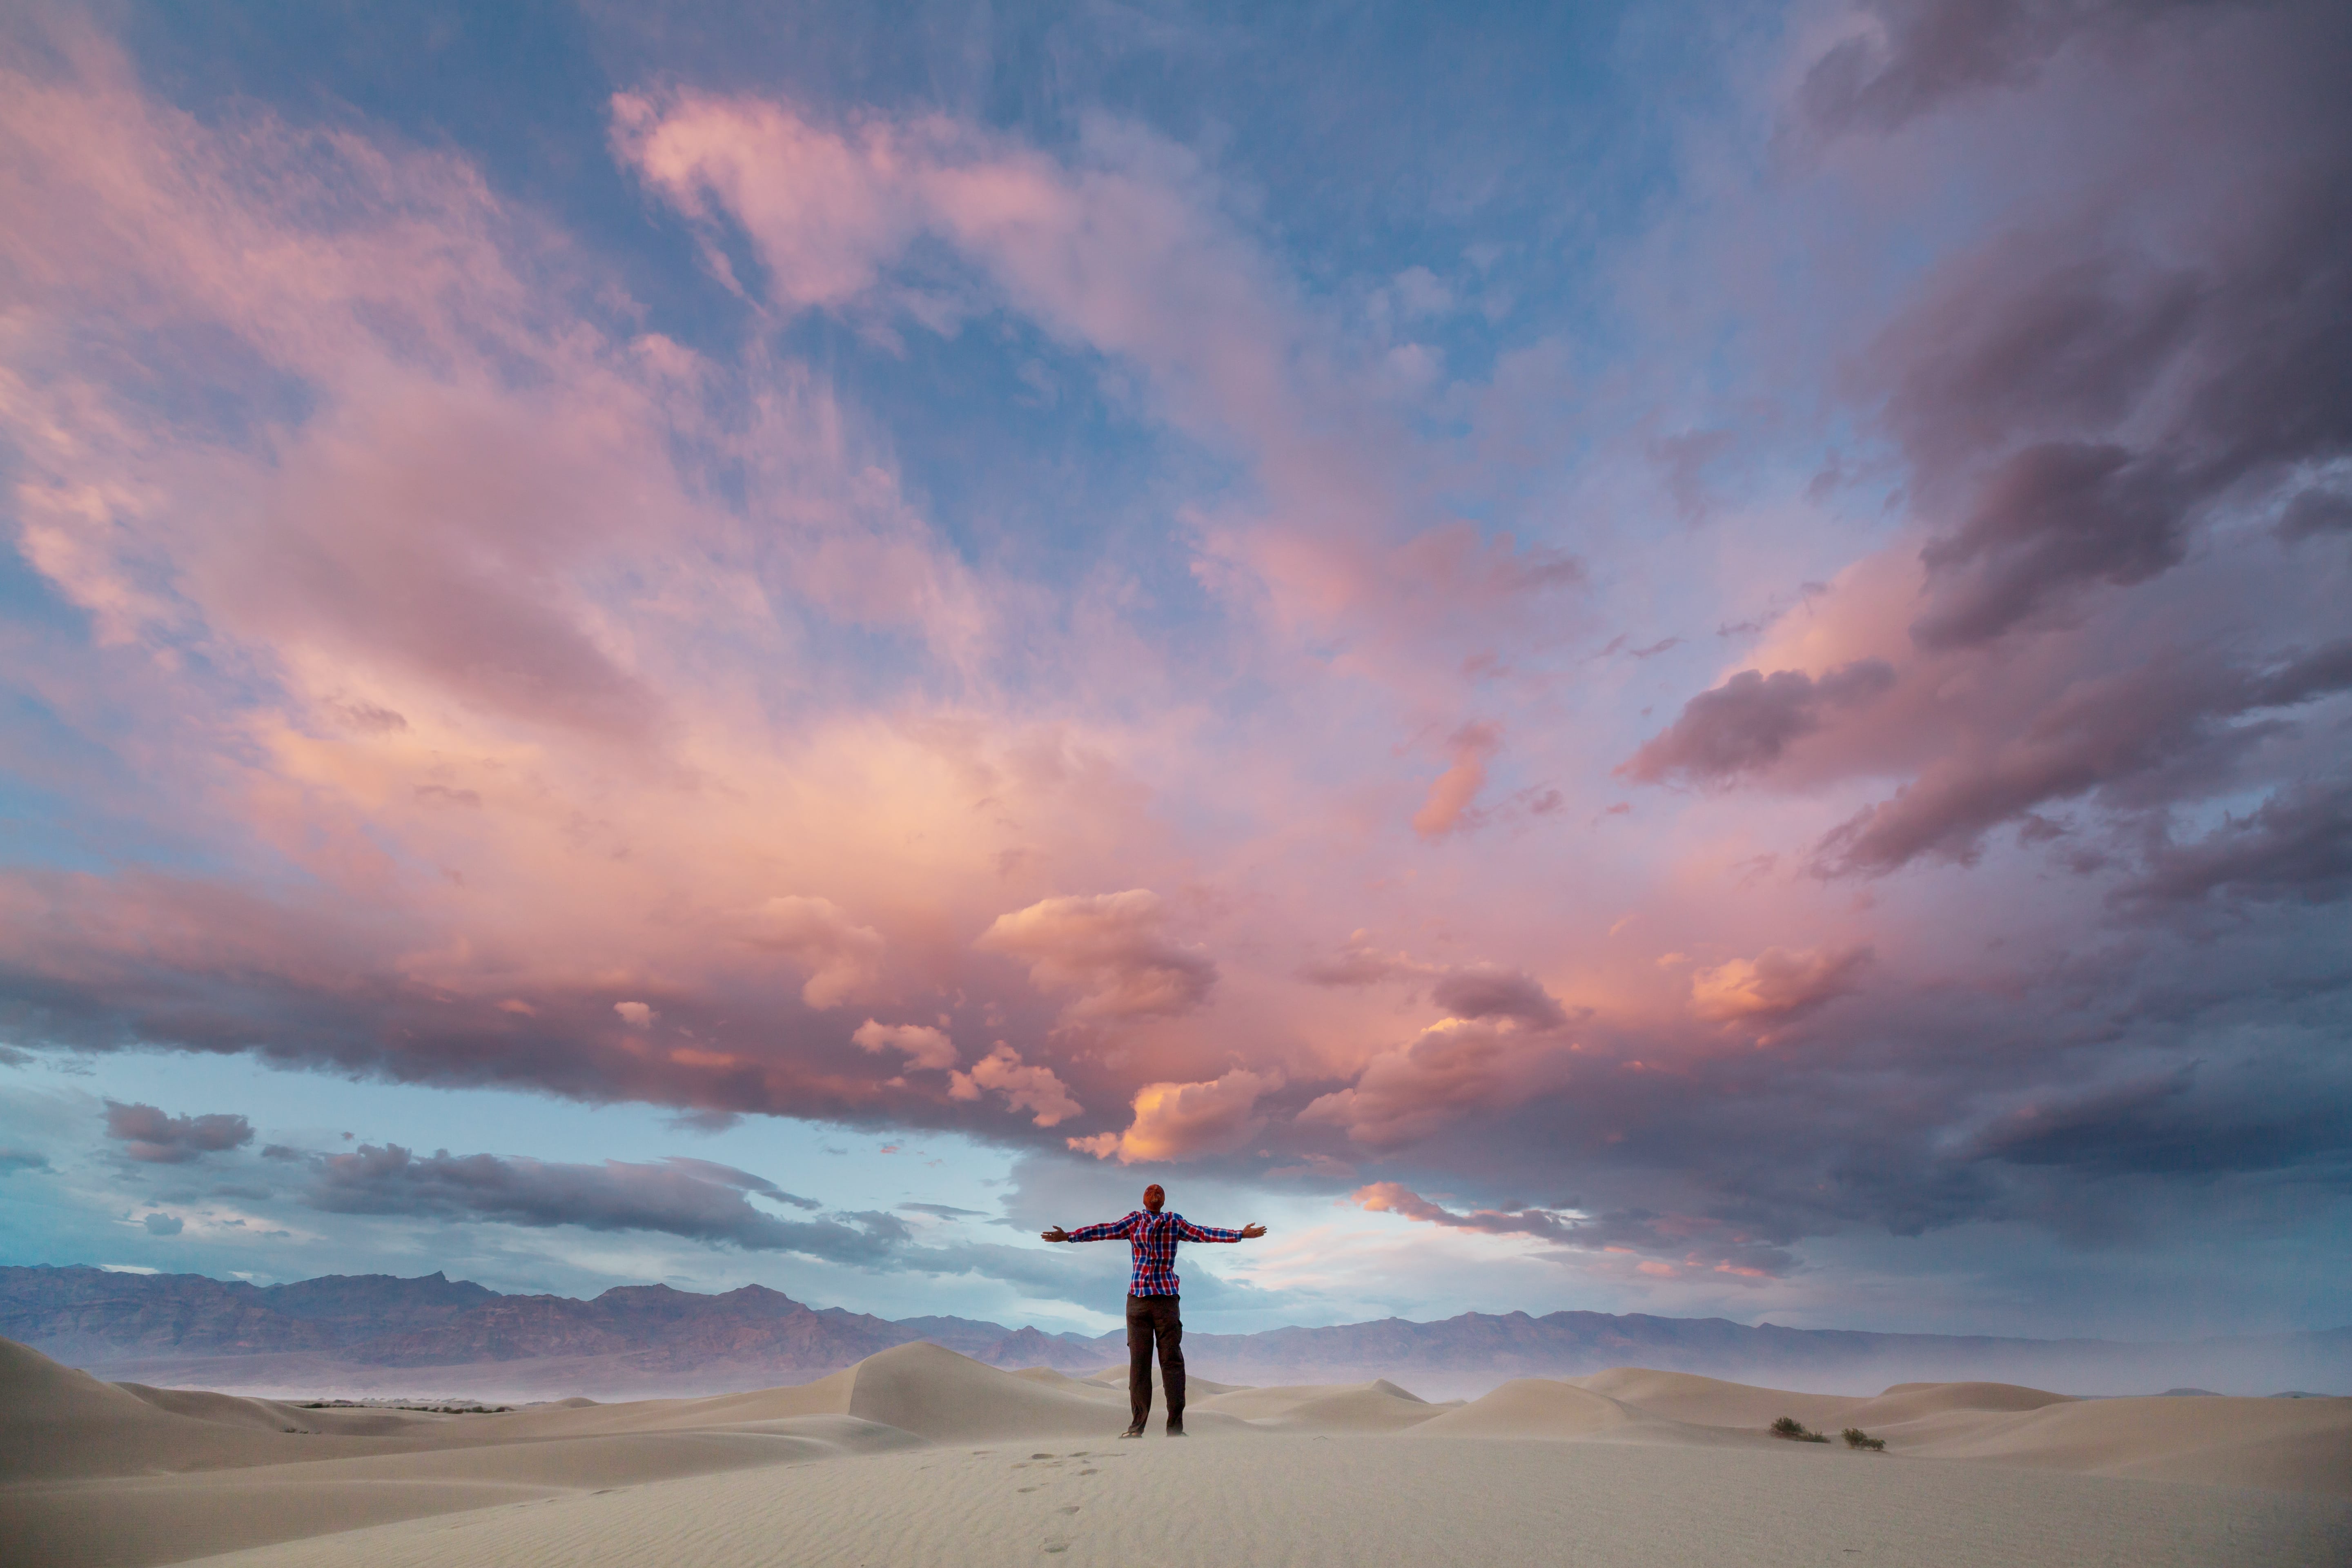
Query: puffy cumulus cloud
{"x": 1744, "y": 725}
{"x": 1778, "y": 984}
{"x": 1506, "y": 1040}
{"x": 636, "y": 1015}
{"x": 925, "y": 1046}
{"x": 843, "y": 959}
{"x": 1454, "y": 1068}
{"x": 1451, "y": 804}
{"x": 1186, "y": 1121}
{"x": 1031, "y": 1086}
{"x": 1492, "y": 990}
{"x": 1112, "y": 949}
{"x": 691, "y": 1199}
{"x": 1466, "y": 991}
{"x": 147, "y": 1133}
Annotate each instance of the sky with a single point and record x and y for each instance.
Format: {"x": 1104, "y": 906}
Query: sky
{"x": 1667, "y": 658}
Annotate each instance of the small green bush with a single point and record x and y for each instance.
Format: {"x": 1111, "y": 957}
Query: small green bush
{"x": 1855, "y": 1437}
{"x": 1795, "y": 1431}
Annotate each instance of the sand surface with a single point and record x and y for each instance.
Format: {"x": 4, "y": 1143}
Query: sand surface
{"x": 919, "y": 1456}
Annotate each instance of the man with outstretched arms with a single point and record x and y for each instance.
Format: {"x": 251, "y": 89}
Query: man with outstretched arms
{"x": 1152, "y": 1313}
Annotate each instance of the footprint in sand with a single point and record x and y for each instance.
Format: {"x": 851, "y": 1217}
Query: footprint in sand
{"x": 1057, "y": 1546}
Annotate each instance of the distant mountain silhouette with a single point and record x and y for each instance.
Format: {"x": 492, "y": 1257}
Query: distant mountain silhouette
{"x": 375, "y": 1330}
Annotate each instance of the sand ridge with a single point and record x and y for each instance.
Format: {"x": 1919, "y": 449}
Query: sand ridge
{"x": 100, "y": 1473}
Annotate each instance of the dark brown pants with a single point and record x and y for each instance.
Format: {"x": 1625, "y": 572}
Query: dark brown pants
{"x": 1150, "y": 1319}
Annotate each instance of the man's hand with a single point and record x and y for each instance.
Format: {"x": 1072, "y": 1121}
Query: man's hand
{"x": 1250, "y": 1232}
{"x": 1058, "y": 1234}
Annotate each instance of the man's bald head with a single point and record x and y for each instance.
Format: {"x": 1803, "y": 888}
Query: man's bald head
{"x": 1153, "y": 1197}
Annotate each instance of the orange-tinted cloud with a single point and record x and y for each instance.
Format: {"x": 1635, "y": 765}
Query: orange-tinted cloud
{"x": 1777, "y": 984}
{"x": 1185, "y": 1120}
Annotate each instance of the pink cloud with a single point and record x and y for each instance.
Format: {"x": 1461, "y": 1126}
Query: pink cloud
{"x": 494, "y": 668}
{"x": 1185, "y": 1120}
{"x": 1112, "y": 949}
{"x": 925, "y": 1046}
{"x": 1124, "y": 252}
{"x": 1025, "y": 1087}
{"x": 1394, "y": 1198}
{"x": 843, "y": 959}
{"x": 1777, "y": 984}
{"x": 1448, "y": 808}
{"x": 1456, "y": 1068}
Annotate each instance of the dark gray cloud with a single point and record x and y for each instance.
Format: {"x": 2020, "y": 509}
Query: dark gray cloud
{"x": 164, "y": 1223}
{"x": 2297, "y": 846}
{"x": 944, "y": 1211}
{"x": 2050, "y": 519}
{"x": 1746, "y": 722}
{"x": 147, "y": 1134}
{"x": 2076, "y": 394}
{"x": 2174, "y": 1125}
{"x": 13, "y": 1159}
{"x": 1487, "y": 991}
{"x": 2184, "y": 717}
{"x": 691, "y": 1198}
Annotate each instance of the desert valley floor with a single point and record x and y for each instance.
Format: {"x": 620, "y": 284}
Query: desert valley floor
{"x": 919, "y": 1456}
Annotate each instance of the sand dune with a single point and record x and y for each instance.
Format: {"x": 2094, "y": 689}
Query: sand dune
{"x": 1376, "y": 1406}
{"x": 2298, "y": 1444}
{"x": 1711, "y": 1402}
{"x": 1531, "y": 1407}
{"x": 921, "y": 1455}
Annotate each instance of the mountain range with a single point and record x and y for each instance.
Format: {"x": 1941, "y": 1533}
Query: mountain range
{"x": 360, "y": 1334}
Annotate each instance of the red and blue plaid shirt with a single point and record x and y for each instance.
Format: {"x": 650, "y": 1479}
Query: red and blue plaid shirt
{"x": 1153, "y": 1237}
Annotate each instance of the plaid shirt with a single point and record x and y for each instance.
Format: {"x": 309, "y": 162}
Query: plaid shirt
{"x": 1153, "y": 1237}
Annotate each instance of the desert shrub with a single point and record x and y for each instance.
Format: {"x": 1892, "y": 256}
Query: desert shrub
{"x": 1795, "y": 1431}
{"x": 1855, "y": 1437}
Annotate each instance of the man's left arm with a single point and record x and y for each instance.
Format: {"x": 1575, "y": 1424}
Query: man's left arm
{"x": 1190, "y": 1232}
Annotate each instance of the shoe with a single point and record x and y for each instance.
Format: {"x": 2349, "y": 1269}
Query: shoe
{"x": 1175, "y": 1431}
{"x": 1134, "y": 1431}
